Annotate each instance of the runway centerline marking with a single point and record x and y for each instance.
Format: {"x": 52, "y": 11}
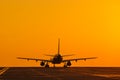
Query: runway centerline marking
{"x": 3, "y": 70}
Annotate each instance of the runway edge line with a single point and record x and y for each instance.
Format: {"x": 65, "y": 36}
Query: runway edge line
{"x": 3, "y": 70}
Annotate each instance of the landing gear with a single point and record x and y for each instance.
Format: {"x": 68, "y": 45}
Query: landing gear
{"x": 65, "y": 66}
{"x": 53, "y": 65}
{"x": 46, "y": 66}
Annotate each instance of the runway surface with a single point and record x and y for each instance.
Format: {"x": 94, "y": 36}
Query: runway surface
{"x": 79, "y": 73}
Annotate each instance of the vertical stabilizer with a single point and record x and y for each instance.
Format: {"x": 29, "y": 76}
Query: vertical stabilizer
{"x": 58, "y": 46}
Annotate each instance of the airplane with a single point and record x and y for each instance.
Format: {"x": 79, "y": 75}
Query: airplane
{"x": 56, "y": 59}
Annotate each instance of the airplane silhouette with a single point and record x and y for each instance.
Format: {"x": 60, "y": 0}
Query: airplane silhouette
{"x": 57, "y": 59}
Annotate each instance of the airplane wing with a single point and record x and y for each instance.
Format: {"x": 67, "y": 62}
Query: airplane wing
{"x": 79, "y": 59}
{"x": 35, "y": 59}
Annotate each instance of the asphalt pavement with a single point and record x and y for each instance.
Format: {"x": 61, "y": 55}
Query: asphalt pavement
{"x": 38, "y": 73}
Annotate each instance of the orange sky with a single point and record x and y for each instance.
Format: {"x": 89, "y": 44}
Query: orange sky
{"x": 87, "y": 28}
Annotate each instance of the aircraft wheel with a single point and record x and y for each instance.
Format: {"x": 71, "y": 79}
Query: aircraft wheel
{"x": 65, "y": 66}
{"x": 46, "y": 66}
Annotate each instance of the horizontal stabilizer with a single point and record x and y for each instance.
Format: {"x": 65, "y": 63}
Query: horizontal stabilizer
{"x": 49, "y": 55}
{"x": 67, "y": 55}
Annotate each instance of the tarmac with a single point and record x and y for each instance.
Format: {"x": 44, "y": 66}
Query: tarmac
{"x": 71, "y": 73}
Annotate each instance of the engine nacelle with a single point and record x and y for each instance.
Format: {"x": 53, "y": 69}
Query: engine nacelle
{"x": 42, "y": 63}
{"x": 68, "y": 63}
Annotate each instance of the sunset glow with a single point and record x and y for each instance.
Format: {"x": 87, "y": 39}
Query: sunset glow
{"x": 87, "y": 28}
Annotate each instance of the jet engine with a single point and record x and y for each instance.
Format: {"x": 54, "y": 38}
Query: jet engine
{"x": 42, "y": 63}
{"x": 68, "y": 63}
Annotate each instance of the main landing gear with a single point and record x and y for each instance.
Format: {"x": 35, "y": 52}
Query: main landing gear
{"x": 65, "y": 66}
{"x": 46, "y": 66}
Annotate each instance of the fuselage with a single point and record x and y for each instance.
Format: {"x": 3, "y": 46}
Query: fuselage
{"x": 57, "y": 59}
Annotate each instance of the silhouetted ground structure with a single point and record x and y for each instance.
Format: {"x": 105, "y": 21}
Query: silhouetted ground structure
{"x": 82, "y": 73}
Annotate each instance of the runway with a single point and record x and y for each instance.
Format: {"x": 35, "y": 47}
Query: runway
{"x": 72, "y": 73}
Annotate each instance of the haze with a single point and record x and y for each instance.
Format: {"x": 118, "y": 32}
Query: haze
{"x": 87, "y": 28}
